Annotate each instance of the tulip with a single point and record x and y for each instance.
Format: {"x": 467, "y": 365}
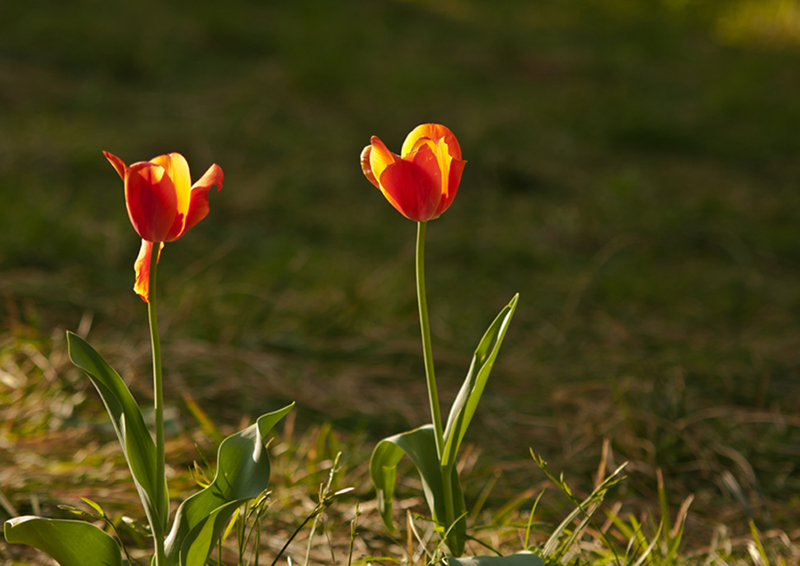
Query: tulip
{"x": 162, "y": 205}
{"x": 422, "y": 181}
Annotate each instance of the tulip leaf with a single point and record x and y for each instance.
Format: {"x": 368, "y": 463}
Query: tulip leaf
{"x": 70, "y": 543}
{"x": 420, "y": 446}
{"x": 137, "y": 443}
{"x": 243, "y": 471}
{"x": 519, "y": 559}
{"x": 467, "y": 399}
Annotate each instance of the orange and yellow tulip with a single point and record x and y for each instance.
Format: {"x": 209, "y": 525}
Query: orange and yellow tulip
{"x": 422, "y": 181}
{"x": 162, "y": 204}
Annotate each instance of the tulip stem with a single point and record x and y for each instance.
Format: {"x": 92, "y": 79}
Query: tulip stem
{"x": 157, "y": 522}
{"x": 433, "y": 396}
{"x": 427, "y": 351}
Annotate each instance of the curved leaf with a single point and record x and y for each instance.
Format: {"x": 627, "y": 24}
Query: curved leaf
{"x": 243, "y": 471}
{"x": 520, "y": 559}
{"x": 467, "y": 399}
{"x": 419, "y": 445}
{"x": 137, "y": 443}
{"x": 70, "y": 543}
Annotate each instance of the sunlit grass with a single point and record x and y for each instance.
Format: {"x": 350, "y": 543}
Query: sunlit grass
{"x": 771, "y": 23}
{"x": 56, "y": 450}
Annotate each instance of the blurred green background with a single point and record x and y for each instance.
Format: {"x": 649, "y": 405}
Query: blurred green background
{"x": 632, "y": 172}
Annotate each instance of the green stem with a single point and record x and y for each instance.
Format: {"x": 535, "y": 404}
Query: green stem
{"x": 433, "y": 395}
{"x": 427, "y": 351}
{"x": 158, "y": 395}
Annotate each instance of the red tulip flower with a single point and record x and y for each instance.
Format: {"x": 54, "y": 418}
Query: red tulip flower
{"x": 162, "y": 204}
{"x": 422, "y": 181}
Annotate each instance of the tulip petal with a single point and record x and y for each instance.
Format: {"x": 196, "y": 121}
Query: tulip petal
{"x": 366, "y": 167}
{"x": 422, "y": 183}
{"x": 151, "y": 201}
{"x": 379, "y": 158}
{"x": 413, "y": 186}
{"x": 177, "y": 169}
{"x": 439, "y": 151}
{"x": 430, "y": 160}
{"x": 198, "y": 203}
{"x": 433, "y": 132}
{"x": 453, "y": 180}
{"x": 118, "y": 164}
{"x": 451, "y": 169}
{"x": 142, "y": 269}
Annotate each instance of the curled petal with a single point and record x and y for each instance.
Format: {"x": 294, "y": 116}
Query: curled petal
{"x": 117, "y": 163}
{"x": 380, "y": 157}
{"x": 142, "y": 269}
{"x": 366, "y": 166}
{"x": 151, "y": 201}
{"x": 375, "y": 159}
{"x": 198, "y": 199}
{"x": 433, "y": 132}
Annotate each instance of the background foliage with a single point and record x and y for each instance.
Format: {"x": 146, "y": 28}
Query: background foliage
{"x": 633, "y": 172}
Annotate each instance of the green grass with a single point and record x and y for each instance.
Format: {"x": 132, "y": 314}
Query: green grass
{"x": 632, "y": 173}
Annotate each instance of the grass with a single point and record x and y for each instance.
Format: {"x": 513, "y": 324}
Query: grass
{"x": 632, "y": 173}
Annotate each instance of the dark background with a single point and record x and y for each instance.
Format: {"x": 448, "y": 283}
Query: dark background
{"x": 632, "y": 172}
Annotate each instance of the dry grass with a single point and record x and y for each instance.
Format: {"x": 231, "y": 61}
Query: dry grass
{"x": 56, "y": 449}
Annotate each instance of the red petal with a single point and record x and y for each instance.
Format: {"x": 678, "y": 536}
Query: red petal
{"x": 414, "y": 186}
{"x": 177, "y": 169}
{"x": 198, "y": 203}
{"x": 142, "y": 269}
{"x": 453, "y": 180}
{"x": 151, "y": 201}
{"x": 118, "y": 164}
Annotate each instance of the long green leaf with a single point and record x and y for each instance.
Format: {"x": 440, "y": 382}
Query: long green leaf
{"x": 70, "y": 543}
{"x": 520, "y": 559}
{"x": 137, "y": 443}
{"x": 420, "y": 446}
{"x": 467, "y": 399}
{"x": 243, "y": 471}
